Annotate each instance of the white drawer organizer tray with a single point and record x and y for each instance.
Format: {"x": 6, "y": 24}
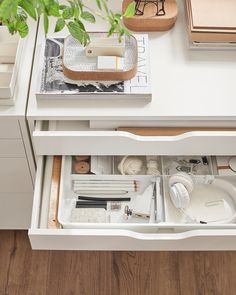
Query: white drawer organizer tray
{"x": 141, "y": 199}
{"x": 169, "y": 232}
{"x": 10, "y": 51}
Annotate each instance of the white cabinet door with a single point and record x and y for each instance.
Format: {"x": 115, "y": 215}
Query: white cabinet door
{"x": 156, "y": 238}
{"x": 15, "y": 210}
{"x": 9, "y": 129}
{"x": 15, "y": 175}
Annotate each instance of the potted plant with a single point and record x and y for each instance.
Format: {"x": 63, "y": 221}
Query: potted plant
{"x": 71, "y": 14}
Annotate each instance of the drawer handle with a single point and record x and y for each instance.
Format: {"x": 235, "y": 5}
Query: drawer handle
{"x": 168, "y": 131}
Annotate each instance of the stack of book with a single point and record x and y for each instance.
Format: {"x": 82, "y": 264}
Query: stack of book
{"x": 211, "y": 22}
{"x": 55, "y": 85}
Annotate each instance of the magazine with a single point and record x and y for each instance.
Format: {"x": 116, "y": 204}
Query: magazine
{"x": 54, "y": 85}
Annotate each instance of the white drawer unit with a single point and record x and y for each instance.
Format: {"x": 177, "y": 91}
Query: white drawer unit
{"x": 45, "y": 233}
{"x": 17, "y": 165}
{"x": 75, "y": 137}
{"x": 197, "y": 96}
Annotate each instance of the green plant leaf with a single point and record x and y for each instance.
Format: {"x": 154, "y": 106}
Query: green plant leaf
{"x": 11, "y": 28}
{"x": 88, "y": 17}
{"x": 68, "y": 13}
{"x": 75, "y": 31}
{"x": 99, "y": 5}
{"x": 79, "y": 34}
{"x": 29, "y": 8}
{"x": 60, "y": 24}
{"x": 21, "y": 15}
{"x": 62, "y": 7}
{"x": 45, "y": 23}
{"x": 54, "y": 9}
{"x": 40, "y": 7}
{"x": 80, "y": 24}
{"x": 104, "y": 4}
{"x": 22, "y": 28}
{"x": 130, "y": 10}
{"x": 8, "y": 8}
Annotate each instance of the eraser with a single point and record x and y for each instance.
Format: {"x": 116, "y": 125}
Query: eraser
{"x": 110, "y": 63}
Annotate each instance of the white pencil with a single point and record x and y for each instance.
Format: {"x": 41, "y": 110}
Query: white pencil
{"x": 98, "y": 192}
{"x": 104, "y": 185}
{"x": 104, "y": 181}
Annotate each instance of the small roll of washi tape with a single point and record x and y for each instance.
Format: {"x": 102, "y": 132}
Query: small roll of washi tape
{"x": 232, "y": 164}
{"x": 81, "y": 167}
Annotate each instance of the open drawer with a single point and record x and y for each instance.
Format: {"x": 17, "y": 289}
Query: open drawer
{"x": 75, "y": 137}
{"x": 46, "y": 233}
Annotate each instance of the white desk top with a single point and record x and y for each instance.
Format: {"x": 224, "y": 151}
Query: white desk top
{"x": 186, "y": 85}
{"x": 23, "y": 78}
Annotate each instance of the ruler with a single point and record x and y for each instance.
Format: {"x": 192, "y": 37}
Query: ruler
{"x": 54, "y": 194}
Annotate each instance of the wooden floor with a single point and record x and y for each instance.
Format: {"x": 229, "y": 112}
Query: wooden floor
{"x": 27, "y": 272}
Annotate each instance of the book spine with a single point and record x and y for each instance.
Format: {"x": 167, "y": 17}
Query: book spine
{"x": 141, "y": 83}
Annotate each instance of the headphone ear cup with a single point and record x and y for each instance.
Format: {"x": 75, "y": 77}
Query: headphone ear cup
{"x": 184, "y": 179}
{"x": 179, "y": 195}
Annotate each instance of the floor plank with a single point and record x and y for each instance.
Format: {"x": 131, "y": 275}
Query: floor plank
{"x": 27, "y": 272}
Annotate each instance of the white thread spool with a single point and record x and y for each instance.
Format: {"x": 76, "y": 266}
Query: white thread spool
{"x": 152, "y": 168}
{"x": 130, "y": 165}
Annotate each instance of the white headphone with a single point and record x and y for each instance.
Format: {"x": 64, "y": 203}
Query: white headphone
{"x": 181, "y": 185}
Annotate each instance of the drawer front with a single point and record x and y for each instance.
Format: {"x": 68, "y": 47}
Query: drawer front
{"x": 15, "y": 176}
{"x": 127, "y": 240}
{"x": 11, "y": 148}
{"x": 15, "y": 210}
{"x": 9, "y": 129}
{"x": 122, "y": 143}
{"x": 43, "y": 238}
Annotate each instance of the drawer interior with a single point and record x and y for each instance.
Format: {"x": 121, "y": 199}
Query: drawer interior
{"x": 87, "y": 125}
{"x": 212, "y": 203}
